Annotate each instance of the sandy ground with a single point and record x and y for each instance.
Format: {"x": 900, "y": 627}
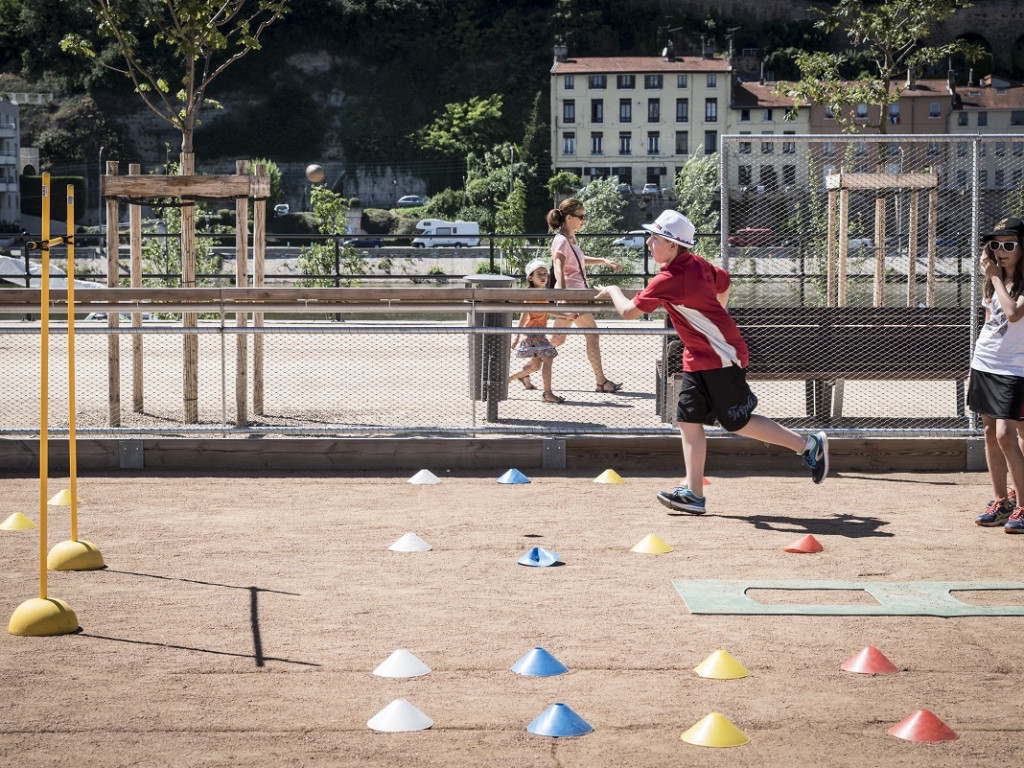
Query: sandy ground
{"x": 240, "y": 618}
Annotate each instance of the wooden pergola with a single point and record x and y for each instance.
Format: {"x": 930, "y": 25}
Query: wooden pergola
{"x": 136, "y": 188}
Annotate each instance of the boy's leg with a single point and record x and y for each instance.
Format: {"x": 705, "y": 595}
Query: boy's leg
{"x": 687, "y": 499}
{"x": 767, "y": 431}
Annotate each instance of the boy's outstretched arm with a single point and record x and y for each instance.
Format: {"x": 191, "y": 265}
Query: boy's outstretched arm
{"x": 623, "y": 306}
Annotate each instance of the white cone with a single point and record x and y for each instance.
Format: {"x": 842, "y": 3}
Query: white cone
{"x": 424, "y": 477}
{"x": 398, "y": 716}
{"x": 410, "y": 543}
{"x": 401, "y": 663}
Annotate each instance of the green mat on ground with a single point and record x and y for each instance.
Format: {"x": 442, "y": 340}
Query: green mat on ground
{"x": 919, "y": 598}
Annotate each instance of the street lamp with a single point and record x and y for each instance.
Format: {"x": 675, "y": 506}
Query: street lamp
{"x": 99, "y": 195}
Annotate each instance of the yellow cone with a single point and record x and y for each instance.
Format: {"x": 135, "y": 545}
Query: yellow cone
{"x": 715, "y": 730}
{"x": 651, "y": 544}
{"x": 62, "y": 499}
{"x": 720, "y": 665}
{"x": 17, "y": 522}
{"x": 609, "y": 476}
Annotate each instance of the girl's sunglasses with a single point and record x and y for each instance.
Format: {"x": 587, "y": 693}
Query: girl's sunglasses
{"x": 995, "y": 245}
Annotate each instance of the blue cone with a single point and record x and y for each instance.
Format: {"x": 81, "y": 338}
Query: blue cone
{"x": 539, "y": 557}
{"x": 513, "y": 476}
{"x": 539, "y": 663}
{"x": 558, "y": 720}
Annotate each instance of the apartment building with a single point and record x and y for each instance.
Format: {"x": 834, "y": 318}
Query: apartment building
{"x": 767, "y": 159}
{"x": 639, "y": 117}
{"x": 10, "y": 132}
{"x": 992, "y": 106}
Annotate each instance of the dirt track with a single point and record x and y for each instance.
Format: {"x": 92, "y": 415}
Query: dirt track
{"x": 240, "y": 618}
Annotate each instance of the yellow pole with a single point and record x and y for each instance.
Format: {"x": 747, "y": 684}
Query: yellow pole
{"x": 44, "y": 381}
{"x": 72, "y": 442}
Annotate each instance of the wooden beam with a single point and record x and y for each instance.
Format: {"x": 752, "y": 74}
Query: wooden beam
{"x": 846, "y": 180}
{"x": 213, "y": 186}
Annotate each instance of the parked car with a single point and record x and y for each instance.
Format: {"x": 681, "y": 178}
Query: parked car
{"x": 633, "y": 239}
{"x": 411, "y": 201}
{"x": 366, "y": 241}
{"x": 281, "y": 209}
{"x": 624, "y": 189}
{"x": 751, "y": 236}
{"x": 125, "y": 316}
{"x": 650, "y": 189}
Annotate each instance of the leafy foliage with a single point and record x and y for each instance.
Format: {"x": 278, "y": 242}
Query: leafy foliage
{"x": 321, "y": 259}
{"x": 697, "y": 189}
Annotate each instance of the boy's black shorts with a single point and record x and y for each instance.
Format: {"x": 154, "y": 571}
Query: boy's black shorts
{"x": 996, "y": 395}
{"x": 721, "y": 393}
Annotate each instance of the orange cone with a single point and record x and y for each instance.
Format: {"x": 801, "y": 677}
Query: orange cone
{"x": 923, "y": 726}
{"x": 807, "y": 545}
{"x": 870, "y": 661}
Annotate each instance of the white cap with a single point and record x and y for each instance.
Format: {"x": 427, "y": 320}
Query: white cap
{"x": 535, "y": 265}
{"x": 673, "y": 226}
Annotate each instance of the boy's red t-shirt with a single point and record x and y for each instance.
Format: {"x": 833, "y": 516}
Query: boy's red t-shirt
{"x": 687, "y": 287}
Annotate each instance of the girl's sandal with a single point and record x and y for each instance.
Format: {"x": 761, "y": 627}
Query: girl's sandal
{"x": 608, "y": 386}
{"x": 551, "y": 397}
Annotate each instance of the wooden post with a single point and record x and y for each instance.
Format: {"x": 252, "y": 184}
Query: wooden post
{"x": 135, "y": 276}
{"x": 915, "y": 212}
{"x": 879, "y": 297}
{"x": 241, "y": 281}
{"x": 259, "y": 249}
{"x": 933, "y": 213}
{"x": 113, "y": 341}
{"x": 844, "y": 244}
{"x": 830, "y": 251}
{"x": 190, "y": 365}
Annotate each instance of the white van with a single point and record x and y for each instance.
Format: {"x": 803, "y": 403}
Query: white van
{"x": 447, "y": 233}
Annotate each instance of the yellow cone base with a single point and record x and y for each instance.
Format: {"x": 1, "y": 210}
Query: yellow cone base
{"x": 42, "y": 618}
{"x": 74, "y": 556}
{"x": 715, "y": 730}
{"x": 721, "y": 665}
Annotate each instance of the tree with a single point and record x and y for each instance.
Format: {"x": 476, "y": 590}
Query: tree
{"x": 697, "y": 189}
{"x": 318, "y": 259}
{"x": 892, "y": 33}
{"x": 462, "y": 128}
{"x": 511, "y": 220}
{"x": 204, "y": 36}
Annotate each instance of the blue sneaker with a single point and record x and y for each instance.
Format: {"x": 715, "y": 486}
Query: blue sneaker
{"x": 997, "y": 513}
{"x": 816, "y": 457}
{"x": 682, "y": 499}
{"x": 1016, "y": 522}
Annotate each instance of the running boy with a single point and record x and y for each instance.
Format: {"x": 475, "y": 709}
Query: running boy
{"x": 694, "y": 293}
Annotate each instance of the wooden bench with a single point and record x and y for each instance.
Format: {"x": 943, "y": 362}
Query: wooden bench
{"x": 824, "y": 346}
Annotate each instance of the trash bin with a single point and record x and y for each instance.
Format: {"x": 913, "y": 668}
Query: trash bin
{"x": 489, "y": 353}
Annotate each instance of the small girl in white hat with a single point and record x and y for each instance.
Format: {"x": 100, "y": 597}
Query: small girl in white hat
{"x": 534, "y": 347}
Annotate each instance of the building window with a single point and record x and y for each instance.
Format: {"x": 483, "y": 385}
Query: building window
{"x": 711, "y": 110}
{"x": 569, "y": 111}
{"x": 680, "y": 81}
{"x": 682, "y": 110}
{"x": 597, "y": 82}
{"x": 1018, "y": 149}
{"x": 710, "y": 142}
{"x": 892, "y": 149}
{"x": 682, "y": 142}
{"x": 652, "y": 82}
{"x": 569, "y": 143}
{"x": 789, "y": 147}
{"x": 625, "y": 111}
{"x": 789, "y": 174}
{"x": 767, "y": 147}
{"x": 961, "y": 149}
{"x": 1000, "y": 177}
{"x": 1017, "y": 117}
{"x": 1000, "y": 149}
{"x": 597, "y": 110}
{"x": 712, "y": 81}
{"x": 933, "y": 148}
{"x": 860, "y": 148}
{"x": 894, "y": 114}
{"x": 828, "y": 148}
{"x": 744, "y": 115}
{"x": 654, "y": 110}
{"x": 961, "y": 178}
{"x": 626, "y": 143}
{"x": 625, "y": 82}
{"x": 983, "y": 177}
{"x": 934, "y": 110}
{"x": 829, "y": 114}
{"x": 961, "y": 118}
{"x": 1018, "y": 177}
{"x": 767, "y": 117}
{"x": 654, "y": 143}
{"x": 766, "y": 176}
{"x": 597, "y": 143}
{"x": 569, "y": 83}
{"x": 745, "y": 177}
{"x": 982, "y": 119}
{"x": 862, "y": 111}
{"x": 745, "y": 145}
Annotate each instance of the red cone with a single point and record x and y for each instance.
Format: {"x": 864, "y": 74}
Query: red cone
{"x": 923, "y": 726}
{"x": 807, "y": 545}
{"x": 870, "y": 661}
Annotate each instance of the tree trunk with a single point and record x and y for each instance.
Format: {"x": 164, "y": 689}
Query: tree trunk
{"x": 188, "y": 280}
